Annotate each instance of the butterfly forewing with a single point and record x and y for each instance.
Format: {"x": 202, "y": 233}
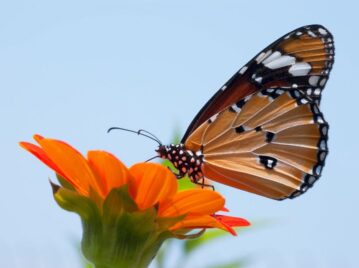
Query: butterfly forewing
{"x": 272, "y": 143}
{"x": 263, "y": 131}
{"x": 301, "y": 59}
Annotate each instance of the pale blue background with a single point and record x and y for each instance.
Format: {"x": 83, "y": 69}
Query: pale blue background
{"x": 71, "y": 69}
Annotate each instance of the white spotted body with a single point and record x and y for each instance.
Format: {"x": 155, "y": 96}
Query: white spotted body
{"x": 185, "y": 161}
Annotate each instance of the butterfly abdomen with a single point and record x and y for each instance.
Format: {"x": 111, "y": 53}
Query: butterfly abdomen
{"x": 186, "y": 161}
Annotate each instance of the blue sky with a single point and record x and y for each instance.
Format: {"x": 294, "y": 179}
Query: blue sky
{"x": 72, "y": 69}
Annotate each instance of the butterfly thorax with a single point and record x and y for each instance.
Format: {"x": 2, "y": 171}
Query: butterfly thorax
{"x": 186, "y": 161}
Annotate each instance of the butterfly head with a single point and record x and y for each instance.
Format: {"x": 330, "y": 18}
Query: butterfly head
{"x": 162, "y": 151}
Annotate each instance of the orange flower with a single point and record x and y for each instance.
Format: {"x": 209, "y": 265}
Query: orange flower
{"x": 149, "y": 184}
{"x": 127, "y": 213}
{"x": 101, "y": 172}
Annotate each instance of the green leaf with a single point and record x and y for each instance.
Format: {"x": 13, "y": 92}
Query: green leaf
{"x": 64, "y": 183}
{"x": 118, "y": 201}
{"x": 74, "y": 202}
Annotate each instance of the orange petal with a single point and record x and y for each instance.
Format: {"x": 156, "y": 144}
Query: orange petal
{"x": 38, "y": 138}
{"x": 72, "y": 163}
{"x": 152, "y": 183}
{"x": 40, "y": 154}
{"x": 193, "y": 222}
{"x": 228, "y": 222}
{"x": 110, "y": 172}
{"x": 200, "y": 201}
{"x": 225, "y": 209}
{"x": 232, "y": 221}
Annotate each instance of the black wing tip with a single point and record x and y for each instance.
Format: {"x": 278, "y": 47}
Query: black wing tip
{"x": 328, "y": 38}
{"x": 314, "y": 27}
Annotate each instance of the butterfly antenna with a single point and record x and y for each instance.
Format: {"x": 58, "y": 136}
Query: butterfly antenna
{"x": 139, "y": 132}
{"x": 151, "y": 134}
{"x": 152, "y": 158}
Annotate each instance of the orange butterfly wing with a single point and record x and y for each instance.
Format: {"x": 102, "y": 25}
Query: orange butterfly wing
{"x": 301, "y": 59}
{"x": 272, "y": 143}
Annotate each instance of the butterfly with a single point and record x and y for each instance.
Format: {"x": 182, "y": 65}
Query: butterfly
{"x": 263, "y": 131}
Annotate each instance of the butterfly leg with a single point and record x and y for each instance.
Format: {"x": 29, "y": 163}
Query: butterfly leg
{"x": 178, "y": 176}
{"x": 202, "y": 183}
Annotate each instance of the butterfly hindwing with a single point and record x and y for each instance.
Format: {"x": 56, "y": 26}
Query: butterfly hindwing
{"x": 272, "y": 143}
{"x": 301, "y": 59}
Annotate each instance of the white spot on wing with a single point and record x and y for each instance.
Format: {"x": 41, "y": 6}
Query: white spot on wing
{"x": 324, "y": 130}
{"x": 259, "y": 79}
{"x": 311, "y": 34}
{"x": 323, "y": 145}
{"x": 260, "y": 57}
{"x": 318, "y": 170}
{"x": 311, "y": 180}
{"x": 213, "y": 117}
{"x": 236, "y": 108}
{"x": 320, "y": 120}
{"x": 322, "y": 156}
{"x": 242, "y": 71}
{"x": 304, "y": 101}
{"x": 272, "y": 57}
{"x": 322, "y": 31}
{"x": 270, "y": 163}
{"x": 280, "y": 62}
{"x": 322, "y": 82}
{"x": 316, "y": 110}
{"x": 296, "y": 93}
{"x": 263, "y": 55}
{"x": 300, "y": 69}
{"x": 313, "y": 80}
